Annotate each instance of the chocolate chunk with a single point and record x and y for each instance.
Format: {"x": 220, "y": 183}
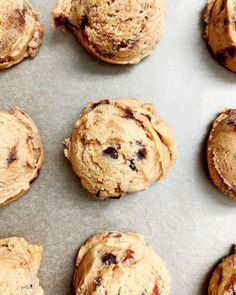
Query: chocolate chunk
{"x": 105, "y": 101}
{"x": 84, "y": 22}
{"x": 108, "y": 259}
{"x": 132, "y": 165}
{"x": 220, "y": 57}
{"x": 226, "y": 21}
{"x": 111, "y": 152}
{"x": 142, "y": 153}
{"x": 12, "y": 157}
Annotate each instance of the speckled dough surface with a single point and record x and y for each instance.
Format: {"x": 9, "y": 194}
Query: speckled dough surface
{"x": 120, "y": 263}
{"x": 120, "y": 146}
{"x": 19, "y": 264}
{"x": 223, "y": 281}
{"x": 220, "y": 31}
{"x": 120, "y": 32}
{"x": 222, "y": 153}
{"x": 20, "y": 32}
{"x": 21, "y": 154}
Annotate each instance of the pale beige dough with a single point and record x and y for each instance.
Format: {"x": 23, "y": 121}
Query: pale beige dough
{"x": 21, "y": 154}
{"x": 120, "y": 146}
{"x": 119, "y": 32}
{"x": 223, "y": 281}
{"x": 120, "y": 263}
{"x": 220, "y": 32}
{"x": 221, "y": 153}
{"x": 19, "y": 264}
{"x": 20, "y": 32}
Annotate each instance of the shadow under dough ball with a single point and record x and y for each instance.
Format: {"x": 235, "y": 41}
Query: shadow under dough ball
{"x": 223, "y": 281}
{"x": 21, "y": 154}
{"x": 120, "y": 146}
{"x": 120, "y": 263}
{"x": 221, "y": 153}
{"x": 19, "y": 264}
{"x": 20, "y": 32}
{"x": 220, "y": 31}
{"x": 118, "y": 32}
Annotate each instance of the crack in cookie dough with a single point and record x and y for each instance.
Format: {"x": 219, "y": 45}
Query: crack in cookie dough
{"x": 120, "y": 263}
{"x": 20, "y": 32}
{"x": 114, "y": 153}
{"x": 21, "y": 154}
{"x": 223, "y": 281}
{"x": 220, "y": 31}
{"x": 221, "y": 153}
{"x": 19, "y": 264}
{"x": 119, "y": 32}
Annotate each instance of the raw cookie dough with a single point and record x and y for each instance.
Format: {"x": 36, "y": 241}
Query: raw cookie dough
{"x": 220, "y": 31}
{"x": 120, "y": 146}
{"x": 223, "y": 281}
{"x": 221, "y": 153}
{"x": 20, "y": 32}
{"x": 21, "y": 154}
{"x": 120, "y": 263}
{"x": 19, "y": 264}
{"x": 119, "y": 32}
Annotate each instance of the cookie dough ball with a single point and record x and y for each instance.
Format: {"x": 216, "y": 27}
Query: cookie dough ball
{"x": 19, "y": 264}
{"x": 21, "y": 154}
{"x": 120, "y": 146}
{"x": 221, "y": 153}
{"x": 119, "y": 263}
{"x": 20, "y": 32}
{"x": 223, "y": 281}
{"x": 118, "y": 32}
{"x": 220, "y": 31}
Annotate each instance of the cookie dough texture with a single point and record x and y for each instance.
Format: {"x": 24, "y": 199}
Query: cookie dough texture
{"x": 221, "y": 153}
{"x": 120, "y": 146}
{"x": 119, "y": 263}
{"x": 19, "y": 264}
{"x": 119, "y": 32}
{"x": 20, "y": 32}
{"x": 21, "y": 154}
{"x": 220, "y": 31}
{"x": 223, "y": 281}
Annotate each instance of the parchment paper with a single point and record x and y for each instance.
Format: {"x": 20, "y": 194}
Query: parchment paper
{"x": 188, "y": 221}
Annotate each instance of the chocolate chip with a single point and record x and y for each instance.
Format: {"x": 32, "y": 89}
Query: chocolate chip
{"x": 231, "y": 51}
{"x": 98, "y": 194}
{"x": 142, "y": 153}
{"x": 226, "y": 21}
{"x": 108, "y": 259}
{"x": 132, "y": 165}
{"x": 12, "y": 157}
{"x": 84, "y": 22}
{"x": 98, "y": 281}
{"x": 220, "y": 57}
{"x": 105, "y": 101}
{"x": 111, "y": 152}
{"x": 115, "y": 197}
{"x": 129, "y": 114}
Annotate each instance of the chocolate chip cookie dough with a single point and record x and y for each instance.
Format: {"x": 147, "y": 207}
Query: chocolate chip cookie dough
{"x": 120, "y": 263}
{"x": 120, "y": 146}
{"x": 19, "y": 264}
{"x": 20, "y": 32}
{"x": 220, "y": 31}
{"x": 223, "y": 281}
{"x": 21, "y": 154}
{"x": 118, "y": 32}
{"x": 221, "y": 153}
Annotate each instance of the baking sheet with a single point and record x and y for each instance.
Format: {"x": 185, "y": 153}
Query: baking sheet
{"x": 184, "y": 217}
